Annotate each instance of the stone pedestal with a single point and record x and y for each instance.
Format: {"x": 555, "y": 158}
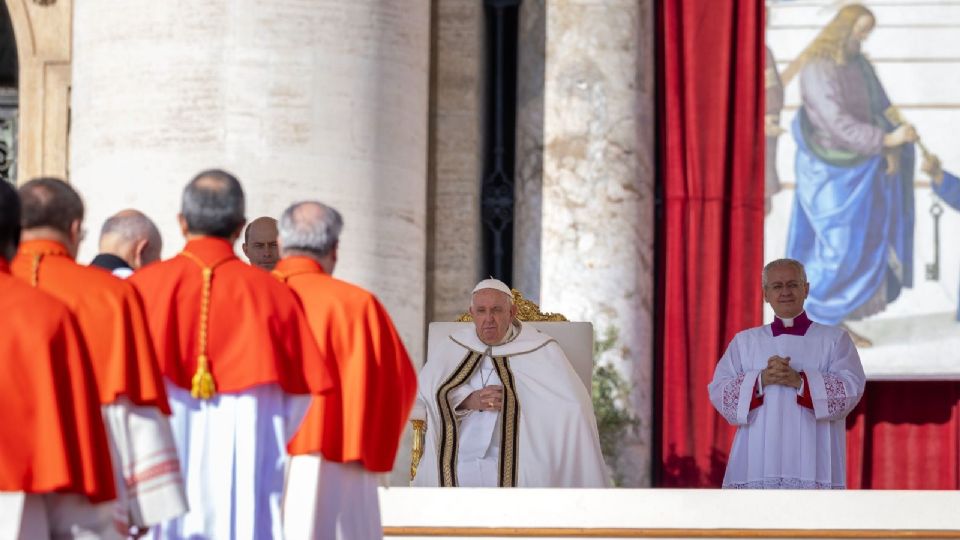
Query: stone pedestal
{"x": 319, "y": 99}
{"x": 594, "y": 261}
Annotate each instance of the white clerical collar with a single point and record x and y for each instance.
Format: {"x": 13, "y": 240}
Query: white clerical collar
{"x": 788, "y": 321}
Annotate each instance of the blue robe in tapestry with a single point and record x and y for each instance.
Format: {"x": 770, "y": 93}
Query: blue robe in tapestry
{"x": 852, "y": 222}
{"x": 949, "y": 191}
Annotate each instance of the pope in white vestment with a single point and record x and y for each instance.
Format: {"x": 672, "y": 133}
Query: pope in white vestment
{"x": 504, "y": 407}
{"x": 788, "y": 387}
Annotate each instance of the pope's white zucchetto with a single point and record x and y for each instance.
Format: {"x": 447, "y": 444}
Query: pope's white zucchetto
{"x": 494, "y": 284}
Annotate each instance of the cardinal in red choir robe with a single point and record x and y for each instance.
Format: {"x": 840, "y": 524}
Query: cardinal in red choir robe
{"x": 55, "y": 470}
{"x": 110, "y": 315}
{"x": 349, "y": 436}
{"x": 240, "y": 363}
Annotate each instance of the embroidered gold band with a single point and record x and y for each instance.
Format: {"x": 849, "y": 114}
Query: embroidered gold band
{"x": 509, "y": 425}
{"x": 510, "y": 421}
{"x": 447, "y": 455}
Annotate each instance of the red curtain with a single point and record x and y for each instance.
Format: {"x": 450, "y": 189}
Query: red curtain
{"x": 902, "y": 435}
{"x": 710, "y": 116}
{"x": 905, "y": 435}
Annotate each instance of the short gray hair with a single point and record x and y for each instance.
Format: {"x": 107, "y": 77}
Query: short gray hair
{"x": 213, "y": 204}
{"x": 131, "y": 225}
{"x": 310, "y": 226}
{"x": 783, "y": 262}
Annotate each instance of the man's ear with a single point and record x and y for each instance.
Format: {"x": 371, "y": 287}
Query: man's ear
{"x": 76, "y": 236}
{"x": 243, "y": 247}
{"x": 138, "y": 250}
{"x": 184, "y": 229}
{"x": 75, "y": 227}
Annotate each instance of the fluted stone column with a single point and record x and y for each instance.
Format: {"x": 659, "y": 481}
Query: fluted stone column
{"x": 595, "y": 252}
{"x": 319, "y": 99}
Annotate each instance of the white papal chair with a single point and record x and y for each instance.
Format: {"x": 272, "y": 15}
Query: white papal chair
{"x": 575, "y": 338}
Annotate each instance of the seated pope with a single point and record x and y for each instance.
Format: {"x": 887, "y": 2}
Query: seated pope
{"x": 504, "y": 407}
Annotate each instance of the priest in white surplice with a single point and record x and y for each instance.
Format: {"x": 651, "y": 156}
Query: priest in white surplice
{"x": 504, "y": 407}
{"x": 788, "y": 387}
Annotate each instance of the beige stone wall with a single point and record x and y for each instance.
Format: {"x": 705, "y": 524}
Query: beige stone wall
{"x": 43, "y": 31}
{"x": 453, "y": 257}
{"x": 326, "y": 99}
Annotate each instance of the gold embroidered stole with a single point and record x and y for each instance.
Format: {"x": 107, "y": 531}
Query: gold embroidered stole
{"x": 509, "y": 425}
{"x": 450, "y": 426}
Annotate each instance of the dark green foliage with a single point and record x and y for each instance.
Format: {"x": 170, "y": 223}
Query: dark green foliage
{"x": 611, "y": 398}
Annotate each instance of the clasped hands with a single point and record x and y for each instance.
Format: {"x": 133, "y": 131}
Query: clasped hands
{"x": 488, "y": 398}
{"x": 778, "y": 371}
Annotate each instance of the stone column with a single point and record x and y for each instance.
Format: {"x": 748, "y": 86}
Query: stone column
{"x": 453, "y": 264}
{"x": 595, "y": 253}
{"x": 42, "y": 30}
{"x": 319, "y": 99}
{"x": 528, "y": 177}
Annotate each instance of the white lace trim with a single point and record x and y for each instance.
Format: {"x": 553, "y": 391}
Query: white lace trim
{"x": 731, "y": 398}
{"x": 836, "y": 393}
{"x": 783, "y": 483}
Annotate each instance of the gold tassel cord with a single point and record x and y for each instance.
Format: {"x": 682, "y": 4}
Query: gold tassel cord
{"x": 35, "y": 269}
{"x": 203, "y": 385}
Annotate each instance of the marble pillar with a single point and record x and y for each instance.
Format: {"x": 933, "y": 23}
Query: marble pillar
{"x": 43, "y": 33}
{"x": 301, "y": 99}
{"x": 594, "y": 254}
{"x": 528, "y": 176}
{"x": 453, "y": 263}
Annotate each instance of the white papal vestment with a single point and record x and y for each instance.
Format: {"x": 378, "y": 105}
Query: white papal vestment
{"x": 781, "y": 443}
{"x": 544, "y": 436}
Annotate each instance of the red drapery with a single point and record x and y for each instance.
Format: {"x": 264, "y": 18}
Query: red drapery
{"x": 710, "y": 63}
{"x": 903, "y": 435}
